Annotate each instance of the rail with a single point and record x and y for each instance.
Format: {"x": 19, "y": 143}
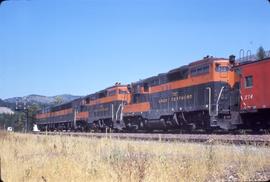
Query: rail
{"x": 262, "y": 140}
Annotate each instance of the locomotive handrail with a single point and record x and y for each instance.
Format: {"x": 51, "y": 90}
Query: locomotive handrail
{"x": 112, "y": 113}
{"x": 116, "y": 115}
{"x": 219, "y": 96}
{"x": 209, "y": 100}
{"x": 120, "y": 109}
{"x": 214, "y": 113}
{"x": 75, "y": 118}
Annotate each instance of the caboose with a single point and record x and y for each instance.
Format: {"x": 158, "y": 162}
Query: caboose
{"x": 255, "y": 93}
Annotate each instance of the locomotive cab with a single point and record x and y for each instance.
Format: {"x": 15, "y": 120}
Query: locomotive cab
{"x": 223, "y": 94}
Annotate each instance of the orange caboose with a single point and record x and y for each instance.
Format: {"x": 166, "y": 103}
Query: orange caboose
{"x": 255, "y": 92}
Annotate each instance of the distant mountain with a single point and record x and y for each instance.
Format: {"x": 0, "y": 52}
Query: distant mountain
{"x": 6, "y": 110}
{"x": 2, "y": 103}
{"x": 43, "y": 100}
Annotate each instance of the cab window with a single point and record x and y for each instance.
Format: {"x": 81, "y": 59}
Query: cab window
{"x": 220, "y": 68}
{"x": 122, "y": 92}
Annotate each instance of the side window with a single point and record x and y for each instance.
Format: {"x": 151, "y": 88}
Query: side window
{"x": 146, "y": 87}
{"x": 111, "y": 93}
{"x": 248, "y": 81}
{"x": 193, "y": 71}
{"x": 102, "y": 94}
{"x": 136, "y": 98}
{"x": 206, "y": 69}
{"x": 87, "y": 100}
{"x": 200, "y": 70}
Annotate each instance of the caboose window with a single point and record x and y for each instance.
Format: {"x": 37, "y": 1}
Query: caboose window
{"x": 248, "y": 81}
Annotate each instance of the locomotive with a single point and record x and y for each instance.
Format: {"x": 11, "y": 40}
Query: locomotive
{"x": 212, "y": 93}
{"x": 195, "y": 96}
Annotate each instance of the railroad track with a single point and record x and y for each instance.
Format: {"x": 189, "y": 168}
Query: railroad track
{"x": 262, "y": 140}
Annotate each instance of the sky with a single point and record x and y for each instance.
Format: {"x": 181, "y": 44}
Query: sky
{"x": 50, "y": 47}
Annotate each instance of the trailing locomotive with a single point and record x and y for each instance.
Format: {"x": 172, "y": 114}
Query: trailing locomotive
{"x": 98, "y": 111}
{"x": 106, "y": 107}
{"x": 207, "y": 94}
{"x": 69, "y": 116}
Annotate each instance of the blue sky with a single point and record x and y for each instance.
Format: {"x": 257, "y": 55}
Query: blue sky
{"x": 53, "y": 47}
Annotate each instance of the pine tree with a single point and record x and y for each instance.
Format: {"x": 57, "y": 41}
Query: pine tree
{"x": 261, "y": 53}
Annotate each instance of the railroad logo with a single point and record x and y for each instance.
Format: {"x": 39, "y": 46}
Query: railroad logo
{"x": 175, "y": 99}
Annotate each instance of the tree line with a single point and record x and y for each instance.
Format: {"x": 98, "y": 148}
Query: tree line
{"x": 19, "y": 118}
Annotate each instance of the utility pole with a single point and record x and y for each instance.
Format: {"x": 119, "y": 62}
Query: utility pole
{"x": 76, "y": 110}
{"x": 22, "y": 107}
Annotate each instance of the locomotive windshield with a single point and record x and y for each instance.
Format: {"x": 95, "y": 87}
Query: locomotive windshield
{"x": 220, "y": 68}
{"x": 123, "y": 92}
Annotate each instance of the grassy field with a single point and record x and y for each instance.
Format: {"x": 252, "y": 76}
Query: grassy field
{"x": 56, "y": 158}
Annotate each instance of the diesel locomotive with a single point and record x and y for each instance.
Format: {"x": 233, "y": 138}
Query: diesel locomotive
{"x": 198, "y": 95}
{"x": 212, "y": 93}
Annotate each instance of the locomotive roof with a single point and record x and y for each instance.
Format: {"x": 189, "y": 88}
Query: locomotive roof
{"x": 179, "y": 68}
{"x": 114, "y": 86}
{"x": 207, "y": 59}
{"x": 61, "y": 105}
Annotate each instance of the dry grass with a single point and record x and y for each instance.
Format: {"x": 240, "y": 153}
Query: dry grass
{"x": 56, "y": 158}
